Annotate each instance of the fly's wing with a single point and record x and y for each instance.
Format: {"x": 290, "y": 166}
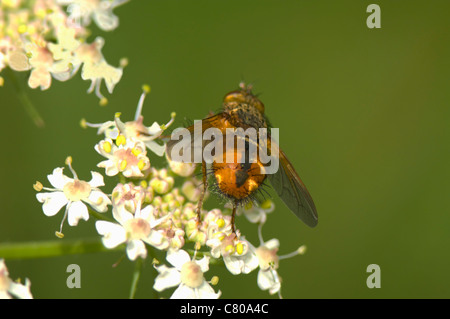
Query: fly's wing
{"x": 188, "y": 140}
{"x": 293, "y": 192}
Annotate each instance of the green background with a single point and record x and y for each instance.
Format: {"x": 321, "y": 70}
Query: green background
{"x": 363, "y": 116}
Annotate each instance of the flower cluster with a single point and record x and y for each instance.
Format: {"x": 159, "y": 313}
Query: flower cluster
{"x": 152, "y": 214}
{"x": 43, "y": 37}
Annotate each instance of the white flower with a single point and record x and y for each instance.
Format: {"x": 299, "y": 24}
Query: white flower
{"x": 95, "y": 67}
{"x": 237, "y": 256}
{"x": 9, "y": 288}
{"x": 73, "y": 193}
{"x": 65, "y": 65}
{"x": 134, "y": 229}
{"x": 268, "y": 278}
{"x": 187, "y": 274}
{"x": 135, "y": 129}
{"x": 175, "y": 236}
{"x": 41, "y": 62}
{"x": 257, "y": 213}
{"x": 100, "y": 11}
{"x": 127, "y": 197}
{"x": 127, "y": 156}
{"x": 268, "y": 260}
{"x": 39, "y": 36}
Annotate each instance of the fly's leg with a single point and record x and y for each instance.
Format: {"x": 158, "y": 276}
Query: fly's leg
{"x": 202, "y": 195}
{"x": 233, "y": 214}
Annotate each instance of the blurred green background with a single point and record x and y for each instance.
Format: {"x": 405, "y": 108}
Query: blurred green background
{"x": 363, "y": 116}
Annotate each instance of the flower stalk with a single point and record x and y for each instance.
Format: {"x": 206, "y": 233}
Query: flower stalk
{"x": 52, "y": 248}
{"x": 28, "y": 106}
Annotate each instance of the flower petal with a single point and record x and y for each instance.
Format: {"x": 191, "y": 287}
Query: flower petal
{"x": 268, "y": 280}
{"x": 97, "y": 180}
{"x": 205, "y": 291}
{"x": 154, "y": 129}
{"x": 178, "y": 258}
{"x": 53, "y": 202}
{"x": 113, "y": 234}
{"x": 121, "y": 214}
{"x": 106, "y": 20}
{"x": 168, "y": 277}
{"x": 99, "y": 201}
{"x": 158, "y": 240}
{"x": 40, "y": 76}
{"x": 203, "y": 263}
{"x": 110, "y": 167}
{"x": 241, "y": 264}
{"x": 184, "y": 292}
{"x": 136, "y": 248}
{"x": 272, "y": 244}
{"x": 77, "y": 210}
{"x": 156, "y": 148}
{"x": 21, "y": 291}
{"x": 58, "y": 179}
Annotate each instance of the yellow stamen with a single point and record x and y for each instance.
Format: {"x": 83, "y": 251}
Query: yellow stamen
{"x": 136, "y": 151}
{"x": 22, "y": 28}
{"x": 214, "y": 280}
{"x": 83, "y": 123}
{"x": 146, "y": 88}
{"x": 123, "y": 62}
{"x": 68, "y": 160}
{"x": 220, "y": 222}
{"x": 239, "y": 248}
{"x": 107, "y": 147}
{"x": 229, "y": 249}
{"x": 59, "y": 234}
{"x": 301, "y": 250}
{"x": 38, "y": 186}
{"x": 103, "y": 101}
{"x": 141, "y": 165}
{"x": 123, "y": 165}
{"x": 266, "y": 204}
{"x": 121, "y": 140}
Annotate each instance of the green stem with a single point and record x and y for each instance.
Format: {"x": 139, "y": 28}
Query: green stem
{"x": 136, "y": 276}
{"x": 52, "y": 248}
{"x": 24, "y": 99}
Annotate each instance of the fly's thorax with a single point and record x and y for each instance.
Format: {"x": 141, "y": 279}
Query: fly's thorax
{"x": 244, "y": 115}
